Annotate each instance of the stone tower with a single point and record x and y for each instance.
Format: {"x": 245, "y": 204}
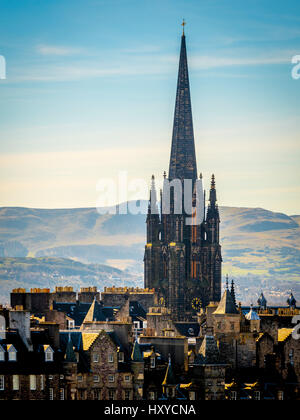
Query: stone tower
{"x": 183, "y": 255}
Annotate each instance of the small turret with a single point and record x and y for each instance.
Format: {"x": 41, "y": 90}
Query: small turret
{"x": 262, "y": 302}
{"x": 254, "y": 319}
{"x": 232, "y": 292}
{"x": 252, "y": 315}
{"x": 213, "y": 193}
{"x": 212, "y": 217}
{"x": 291, "y": 301}
{"x": 153, "y": 221}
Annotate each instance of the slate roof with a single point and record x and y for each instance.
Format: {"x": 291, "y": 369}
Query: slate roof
{"x": 209, "y": 353}
{"x": 78, "y": 311}
{"x": 252, "y": 315}
{"x": 136, "y": 310}
{"x": 70, "y": 354}
{"x": 188, "y": 329}
{"x": 94, "y": 313}
{"x": 226, "y": 305}
{"x": 29, "y": 362}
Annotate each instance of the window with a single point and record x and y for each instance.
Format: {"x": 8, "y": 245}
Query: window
{"x": 152, "y": 362}
{"x": 97, "y": 394}
{"x": 127, "y": 378}
{"x": 151, "y": 395}
{"x": 12, "y": 353}
{"x": 16, "y": 383}
{"x": 121, "y": 357}
{"x": 32, "y": 382}
{"x": 257, "y": 395}
{"x": 48, "y": 354}
{"x": 12, "y": 356}
{"x": 192, "y": 395}
{"x": 127, "y": 395}
{"x": 233, "y": 395}
{"x": 96, "y": 378}
{"x": 280, "y": 395}
{"x": 61, "y": 394}
{"x": 111, "y": 394}
{"x": 170, "y": 392}
{"x": 71, "y": 324}
{"x": 110, "y": 358}
{"x": 111, "y": 378}
{"x": 42, "y": 382}
{"x": 2, "y": 354}
{"x": 82, "y": 394}
{"x": 95, "y": 357}
{"x": 51, "y": 394}
{"x": 79, "y": 378}
{"x": 291, "y": 357}
{"x": 1, "y": 382}
{"x": 61, "y": 376}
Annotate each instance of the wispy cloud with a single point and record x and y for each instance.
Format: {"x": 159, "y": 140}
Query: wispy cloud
{"x": 56, "y": 50}
{"x": 206, "y": 62}
{"x": 128, "y": 64}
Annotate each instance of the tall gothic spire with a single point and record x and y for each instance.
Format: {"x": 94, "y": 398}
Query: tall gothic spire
{"x": 183, "y": 158}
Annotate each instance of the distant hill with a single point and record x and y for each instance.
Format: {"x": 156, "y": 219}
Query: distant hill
{"x": 51, "y": 272}
{"x": 261, "y": 249}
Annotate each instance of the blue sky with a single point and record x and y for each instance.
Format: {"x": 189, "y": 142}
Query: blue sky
{"x": 90, "y": 91}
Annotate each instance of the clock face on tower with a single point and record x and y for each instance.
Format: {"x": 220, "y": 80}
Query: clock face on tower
{"x": 196, "y": 303}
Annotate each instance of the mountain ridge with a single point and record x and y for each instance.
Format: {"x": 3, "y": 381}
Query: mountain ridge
{"x": 260, "y": 248}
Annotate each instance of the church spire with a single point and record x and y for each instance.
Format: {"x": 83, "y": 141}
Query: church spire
{"x": 183, "y": 158}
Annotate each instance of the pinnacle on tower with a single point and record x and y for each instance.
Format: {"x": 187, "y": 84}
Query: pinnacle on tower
{"x": 232, "y": 292}
{"x": 213, "y": 194}
{"x": 153, "y": 197}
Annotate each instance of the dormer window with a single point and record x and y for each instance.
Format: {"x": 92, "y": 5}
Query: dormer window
{"x": 12, "y": 353}
{"x": 71, "y": 324}
{"x": 2, "y": 354}
{"x": 48, "y": 353}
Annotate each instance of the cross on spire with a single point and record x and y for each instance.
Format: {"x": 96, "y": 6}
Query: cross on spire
{"x": 183, "y": 25}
